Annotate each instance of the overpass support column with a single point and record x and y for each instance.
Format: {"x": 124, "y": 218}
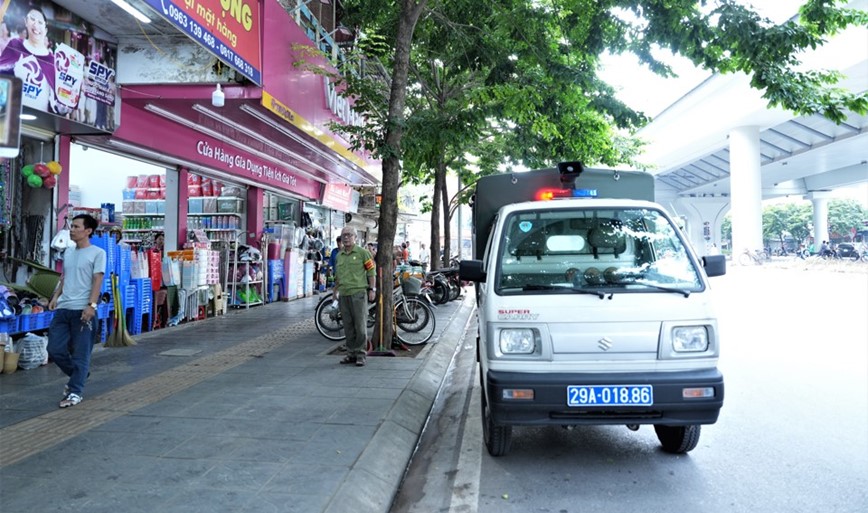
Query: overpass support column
{"x": 820, "y": 203}
{"x": 746, "y": 183}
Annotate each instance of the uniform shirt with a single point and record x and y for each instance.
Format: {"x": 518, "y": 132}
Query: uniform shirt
{"x": 353, "y": 270}
{"x": 79, "y": 266}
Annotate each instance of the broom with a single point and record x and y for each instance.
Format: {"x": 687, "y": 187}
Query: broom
{"x": 381, "y": 349}
{"x": 119, "y": 337}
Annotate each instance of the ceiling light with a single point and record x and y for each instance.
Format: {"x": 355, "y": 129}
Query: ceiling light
{"x": 132, "y": 11}
{"x": 28, "y": 117}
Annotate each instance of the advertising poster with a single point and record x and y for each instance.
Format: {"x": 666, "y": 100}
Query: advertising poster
{"x": 229, "y": 29}
{"x": 64, "y": 69}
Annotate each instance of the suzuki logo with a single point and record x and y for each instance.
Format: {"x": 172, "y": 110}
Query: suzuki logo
{"x": 605, "y": 343}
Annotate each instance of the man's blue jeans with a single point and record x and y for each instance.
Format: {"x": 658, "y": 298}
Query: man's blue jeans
{"x": 70, "y": 342}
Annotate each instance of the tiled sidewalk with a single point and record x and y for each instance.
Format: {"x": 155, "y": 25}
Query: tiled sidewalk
{"x": 257, "y": 417}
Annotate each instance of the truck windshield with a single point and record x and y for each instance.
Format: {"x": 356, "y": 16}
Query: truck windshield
{"x": 588, "y": 249}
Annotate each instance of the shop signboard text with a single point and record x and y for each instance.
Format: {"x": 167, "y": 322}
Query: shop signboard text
{"x": 337, "y": 196}
{"x": 264, "y": 172}
{"x": 229, "y": 29}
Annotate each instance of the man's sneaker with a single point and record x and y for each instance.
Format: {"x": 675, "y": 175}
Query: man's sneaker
{"x": 360, "y": 361}
{"x": 66, "y": 387}
{"x": 70, "y": 400}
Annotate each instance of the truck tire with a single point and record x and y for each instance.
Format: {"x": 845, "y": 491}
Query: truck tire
{"x": 678, "y": 439}
{"x": 497, "y": 437}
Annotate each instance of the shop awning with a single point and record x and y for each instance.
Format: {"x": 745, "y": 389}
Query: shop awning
{"x": 244, "y": 123}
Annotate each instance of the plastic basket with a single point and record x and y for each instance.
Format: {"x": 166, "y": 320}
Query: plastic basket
{"x": 9, "y": 325}
{"x": 411, "y": 286}
{"x": 43, "y": 320}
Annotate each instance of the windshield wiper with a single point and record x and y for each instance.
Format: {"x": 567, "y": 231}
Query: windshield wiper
{"x": 685, "y": 293}
{"x": 598, "y": 293}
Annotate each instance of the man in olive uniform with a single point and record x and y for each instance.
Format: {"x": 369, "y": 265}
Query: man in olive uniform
{"x": 354, "y": 282}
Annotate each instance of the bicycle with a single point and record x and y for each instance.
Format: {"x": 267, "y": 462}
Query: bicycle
{"x": 753, "y": 257}
{"x": 413, "y": 321}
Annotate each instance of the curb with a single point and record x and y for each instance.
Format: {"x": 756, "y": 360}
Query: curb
{"x": 374, "y": 478}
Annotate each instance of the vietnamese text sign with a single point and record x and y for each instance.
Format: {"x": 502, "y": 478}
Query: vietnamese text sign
{"x": 337, "y": 196}
{"x": 230, "y": 29}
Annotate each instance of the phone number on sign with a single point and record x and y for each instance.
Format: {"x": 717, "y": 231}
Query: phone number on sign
{"x": 199, "y": 33}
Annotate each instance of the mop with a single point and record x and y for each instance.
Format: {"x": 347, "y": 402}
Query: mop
{"x": 119, "y": 337}
{"x": 381, "y": 349}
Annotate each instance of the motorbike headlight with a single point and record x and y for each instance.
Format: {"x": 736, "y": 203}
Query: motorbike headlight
{"x": 689, "y": 339}
{"x": 517, "y": 341}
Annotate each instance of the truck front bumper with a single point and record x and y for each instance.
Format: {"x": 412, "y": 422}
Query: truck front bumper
{"x": 549, "y": 403}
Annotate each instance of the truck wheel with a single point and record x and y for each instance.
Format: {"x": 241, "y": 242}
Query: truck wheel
{"x": 678, "y": 439}
{"x": 497, "y": 437}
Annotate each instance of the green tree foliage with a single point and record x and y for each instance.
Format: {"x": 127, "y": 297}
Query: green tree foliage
{"x": 796, "y": 220}
{"x": 514, "y": 82}
{"x": 845, "y": 216}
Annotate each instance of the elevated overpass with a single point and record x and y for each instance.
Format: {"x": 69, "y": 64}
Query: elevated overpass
{"x": 720, "y": 148}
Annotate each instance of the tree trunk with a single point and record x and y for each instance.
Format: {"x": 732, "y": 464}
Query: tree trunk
{"x": 447, "y": 229}
{"x": 434, "y": 258}
{"x": 409, "y": 15}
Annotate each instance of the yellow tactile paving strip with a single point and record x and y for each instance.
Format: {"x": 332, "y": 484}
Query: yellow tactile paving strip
{"x": 22, "y": 440}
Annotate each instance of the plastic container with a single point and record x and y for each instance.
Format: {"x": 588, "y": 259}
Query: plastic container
{"x": 229, "y": 205}
{"x": 194, "y": 205}
{"x": 10, "y": 362}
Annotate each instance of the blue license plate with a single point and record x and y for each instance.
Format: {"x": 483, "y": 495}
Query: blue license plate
{"x": 610, "y": 395}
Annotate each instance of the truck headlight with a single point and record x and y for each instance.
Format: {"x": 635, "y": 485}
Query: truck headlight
{"x": 689, "y": 339}
{"x": 517, "y": 341}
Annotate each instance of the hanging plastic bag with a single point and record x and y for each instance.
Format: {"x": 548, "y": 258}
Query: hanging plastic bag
{"x": 61, "y": 241}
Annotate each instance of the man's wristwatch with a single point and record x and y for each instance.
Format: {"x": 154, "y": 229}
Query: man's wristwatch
{"x": 92, "y": 305}
{"x": 372, "y": 289}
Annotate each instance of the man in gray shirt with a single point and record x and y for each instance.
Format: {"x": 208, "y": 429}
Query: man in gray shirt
{"x": 71, "y": 334}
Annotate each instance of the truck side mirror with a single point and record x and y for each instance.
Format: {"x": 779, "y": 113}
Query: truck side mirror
{"x": 715, "y": 265}
{"x": 471, "y": 270}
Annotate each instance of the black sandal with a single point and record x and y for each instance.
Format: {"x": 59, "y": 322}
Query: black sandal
{"x": 348, "y": 360}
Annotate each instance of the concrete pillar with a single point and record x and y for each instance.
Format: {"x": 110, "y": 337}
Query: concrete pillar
{"x": 255, "y": 219}
{"x": 698, "y": 211}
{"x": 182, "y": 192}
{"x": 746, "y": 188}
{"x": 820, "y": 204}
{"x": 175, "y": 220}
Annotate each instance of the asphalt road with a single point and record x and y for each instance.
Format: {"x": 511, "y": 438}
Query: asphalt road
{"x": 792, "y": 436}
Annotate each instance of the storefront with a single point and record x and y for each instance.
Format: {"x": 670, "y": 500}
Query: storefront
{"x": 248, "y": 173}
{"x": 67, "y": 88}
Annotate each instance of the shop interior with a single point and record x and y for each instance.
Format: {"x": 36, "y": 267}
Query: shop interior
{"x": 155, "y": 278}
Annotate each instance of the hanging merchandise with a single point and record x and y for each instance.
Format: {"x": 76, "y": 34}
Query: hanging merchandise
{"x": 42, "y": 174}
{"x": 61, "y": 241}
{"x": 34, "y": 181}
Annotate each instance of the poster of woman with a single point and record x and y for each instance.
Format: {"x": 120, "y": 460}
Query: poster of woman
{"x": 65, "y": 70}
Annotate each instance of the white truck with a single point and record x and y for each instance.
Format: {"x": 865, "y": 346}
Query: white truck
{"x": 592, "y": 307}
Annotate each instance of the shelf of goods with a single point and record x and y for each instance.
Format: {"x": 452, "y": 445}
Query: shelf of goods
{"x": 244, "y": 281}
